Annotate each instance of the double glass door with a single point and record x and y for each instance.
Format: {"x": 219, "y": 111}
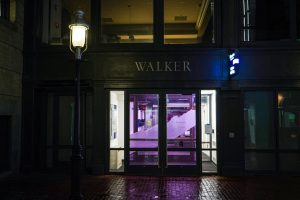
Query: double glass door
{"x": 155, "y": 132}
{"x": 163, "y": 133}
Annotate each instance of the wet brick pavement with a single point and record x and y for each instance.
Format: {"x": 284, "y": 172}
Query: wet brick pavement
{"x": 112, "y": 187}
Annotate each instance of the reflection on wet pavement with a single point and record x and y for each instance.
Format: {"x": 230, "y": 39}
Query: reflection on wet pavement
{"x": 113, "y": 187}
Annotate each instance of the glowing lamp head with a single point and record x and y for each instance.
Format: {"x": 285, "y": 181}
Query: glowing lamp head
{"x": 78, "y": 33}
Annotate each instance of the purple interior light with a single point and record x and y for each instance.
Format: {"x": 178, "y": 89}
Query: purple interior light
{"x": 144, "y": 116}
{"x": 181, "y": 128}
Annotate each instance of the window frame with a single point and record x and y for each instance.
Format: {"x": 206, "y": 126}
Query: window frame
{"x": 290, "y": 43}
{"x": 272, "y": 150}
{"x": 5, "y": 9}
{"x": 276, "y": 151}
{"x": 158, "y": 32}
{"x": 214, "y": 27}
{"x": 94, "y": 39}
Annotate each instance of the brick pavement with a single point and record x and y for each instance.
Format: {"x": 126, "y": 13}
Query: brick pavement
{"x": 113, "y": 187}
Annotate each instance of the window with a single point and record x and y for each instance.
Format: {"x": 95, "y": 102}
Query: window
{"x": 289, "y": 161}
{"x": 259, "y": 130}
{"x": 127, "y": 21}
{"x": 132, "y": 21}
{"x": 289, "y": 119}
{"x": 57, "y": 15}
{"x": 59, "y": 126}
{"x": 189, "y": 21}
{"x": 265, "y": 20}
{"x": 8, "y": 10}
{"x": 288, "y": 130}
{"x": 4, "y": 11}
{"x": 261, "y": 153}
{"x": 259, "y": 120}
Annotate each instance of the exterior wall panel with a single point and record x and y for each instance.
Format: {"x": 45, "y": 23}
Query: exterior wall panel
{"x": 269, "y": 64}
{"x": 11, "y": 67}
{"x": 116, "y": 66}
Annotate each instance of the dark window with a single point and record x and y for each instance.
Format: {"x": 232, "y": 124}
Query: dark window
{"x": 289, "y": 119}
{"x": 259, "y": 161}
{"x": 60, "y": 130}
{"x": 127, "y": 21}
{"x": 8, "y": 10}
{"x": 57, "y": 16}
{"x": 289, "y": 161}
{"x": 189, "y": 21}
{"x": 4, "y": 9}
{"x": 259, "y": 120}
{"x": 259, "y": 130}
{"x": 265, "y": 20}
{"x": 5, "y": 132}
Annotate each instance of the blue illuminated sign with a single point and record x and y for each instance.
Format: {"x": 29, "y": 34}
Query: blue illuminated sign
{"x": 234, "y": 62}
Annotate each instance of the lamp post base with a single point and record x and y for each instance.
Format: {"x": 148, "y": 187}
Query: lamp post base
{"x": 76, "y": 159}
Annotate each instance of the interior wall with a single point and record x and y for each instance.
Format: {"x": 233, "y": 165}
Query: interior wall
{"x": 210, "y": 117}
{"x": 214, "y": 125}
{"x": 117, "y": 156}
{"x": 117, "y": 98}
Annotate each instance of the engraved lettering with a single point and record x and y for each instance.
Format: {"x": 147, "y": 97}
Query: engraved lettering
{"x": 176, "y": 67}
{"x": 163, "y": 66}
{"x": 186, "y": 66}
{"x": 150, "y": 67}
{"x": 140, "y": 66}
{"x": 158, "y": 69}
{"x": 167, "y": 66}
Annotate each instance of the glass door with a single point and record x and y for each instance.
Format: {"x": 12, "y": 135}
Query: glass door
{"x": 162, "y": 140}
{"x": 143, "y": 136}
{"x": 171, "y": 132}
{"x": 181, "y": 133}
{"x": 208, "y": 112}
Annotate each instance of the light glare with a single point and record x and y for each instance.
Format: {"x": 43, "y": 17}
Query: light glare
{"x": 78, "y": 35}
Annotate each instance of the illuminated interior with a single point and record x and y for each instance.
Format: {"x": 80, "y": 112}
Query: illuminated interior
{"x": 191, "y": 21}
{"x": 209, "y": 130}
{"x": 181, "y": 132}
{"x": 131, "y": 21}
{"x": 116, "y": 130}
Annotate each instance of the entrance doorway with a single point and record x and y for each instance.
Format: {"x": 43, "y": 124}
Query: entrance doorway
{"x": 165, "y": 132}
{"x": 59, "y": 130}
{"x": 208, "y": 111}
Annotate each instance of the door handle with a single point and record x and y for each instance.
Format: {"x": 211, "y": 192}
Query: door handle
{"x": 158, "y": 156}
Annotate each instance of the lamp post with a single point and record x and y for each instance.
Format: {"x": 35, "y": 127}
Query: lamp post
{"x": 78, "y": 44}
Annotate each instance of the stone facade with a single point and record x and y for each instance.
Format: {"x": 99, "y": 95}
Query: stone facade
{"x": 11, "y": 68}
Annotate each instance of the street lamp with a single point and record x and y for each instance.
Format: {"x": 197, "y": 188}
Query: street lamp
{"x": 78, "y": 44}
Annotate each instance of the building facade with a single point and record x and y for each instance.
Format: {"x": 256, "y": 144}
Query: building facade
{"x": 159, "y": 95}
{"x": 11, "y": 68}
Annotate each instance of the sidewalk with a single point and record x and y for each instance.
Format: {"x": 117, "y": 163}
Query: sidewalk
{"x": 56, "y": 187}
